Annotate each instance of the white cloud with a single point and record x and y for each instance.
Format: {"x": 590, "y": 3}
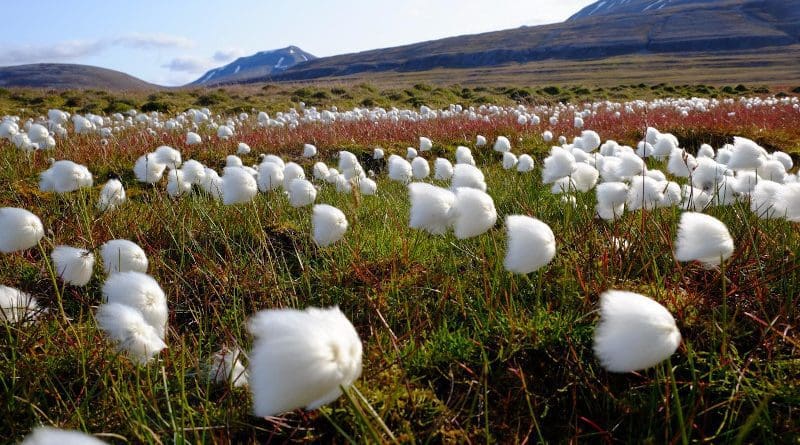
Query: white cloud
{"x": 60, "y": 52}
{"x": 189, "y": 64}
{"x": 227, "y": 55}
{"x": 72, "y": 50}
{"x": 150, "y": 41}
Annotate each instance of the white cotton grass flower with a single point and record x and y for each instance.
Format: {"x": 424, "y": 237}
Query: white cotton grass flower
{"x": 703, "y": 238}
{"x": 112, "y": 195}
{"x": 45, "y": 435}
{"x": 238, "y": 186}
{"x": 347, "y": 161}
{"x": 320, "y": 171}
{"x": 644, "y": 192}
{"x": 128, "y": 328}
{"x": 233, "y": 161}
{"x": 694, "y": 199}
{"x": 563, "y": 185}
{"x": 584, "y": 177}
{"x": 502, "y": 144}
{"x": 301, "y": 193}
{"x": 141, "y": 292}
{"x": 212, "y": 184}
{"x": 193, "y": 138}
{"x": 342, "y": 184}
{"x": 19, "y": 229}
{"x": 509, "y": 160}
{"x": 787, "y": 202}
{"x": 65, "y": 177}
{"x": 611, "y": 199}
{"x": 705, "y": 151}
{"x": 367, "y": 186}
{"x": 442, "y": 169}
{"x": 177, "y": 185}
{"x": 634, "y": 333}
{"x": 681, "y": 163}
{"x": 274, "y": 159}
{"x": 464, "y": 156}
{"x": 149, "y": 169}
{"x": 420, "y": 168}
{"x": 590, "y": 141}
{"x": 291, "y": 172}
{"x": 377, "y": 154}
{"x": 763, "y": 199}
{"x": 558, "y": 164}
{"x": 328, "y": 224}
{"x": 425, "y": 144}
{"x": 121, "y": 255}
{"x": 772, "y": 170}
{"x": 430, "y": 208}
{"x": 242, "y": 149}
{"x": 301, "y": 359}
{"x": 708, "y": 174}
{"x": 309, "y": 150}
{"x": 270, "y": 176}
{"x": 473, "y": 213}
{"x": 629, "y": 165}
{"x": 672, "y": 194}
{"x": 547, "y": 136}
{"x": 73, "y": 265}
{"x": 226, "y": 367}
{"x": 17, "y": 306}
{"x": 194, "y": 172}
{"x": 466, "y": 175}
{"x": 746, "y": 155}
{"x": 525, "y": 163}
{"x": 168, "y": 156}
{"x": 399, "y": 169}
{"x": 784, "y": 159}
{"x": 480, "y": 141}
{"x": 531, "y": 244}
{"x": 665, "y": 145}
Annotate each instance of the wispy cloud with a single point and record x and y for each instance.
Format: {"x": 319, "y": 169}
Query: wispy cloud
{"x": 60, "y": 52}
{"x": 150, "y": 41}
{"x": 189, "y": 64}
{"x": 72, "y": 50}
{"x": 227, "y": 55}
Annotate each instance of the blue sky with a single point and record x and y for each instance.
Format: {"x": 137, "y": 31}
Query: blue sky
{"x": 174, "y": 42}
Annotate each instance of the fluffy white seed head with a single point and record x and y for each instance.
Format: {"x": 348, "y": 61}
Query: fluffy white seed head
{"x": 17, "y": 306}
{"x": 291, "y": 172}
{"x": 226, "y": 367}
{"x": 525, "y": 163}
{"x": 301, "y": 358}
{"x": 193, "y": 138}
{"x": 480, "y": 141}
{"x": 399, "y": 169}
{"x": 301, "y": 193}
{"x": 242, "y": 149}
{"x": 328, "y": 224}
{"x": 121, "y": 255}
{"x": 367, "y": 186}
{"x": 590, "y": 141}
{"x": 746, "y": 155}
{"x": 442, "y": 169}
{"x": 142, "y": 292}
{"x": 502, "y": 144}
{"x": 270, "y": 176}
{"x": 634, "y": 332}
{"x": 584, "y": 176}
{"x": 420, "y": 168}
{"x": 466, "y": 175}
{"x": 531, "y": 244}
{"x": 193, "y": 172}
{"x": 464, "y": 155}
{"x": 681, "y": 163}
{"x": 168, "y": 156}
{"x": 309, "y": 151}
{"x": 644, "y": 192}
{"x": 320, "y": 171}
{"x": 557, "y": 165}
{"x": 430, "y": 208}
{"x": 127, "y": 327}
{"x": 73, "y": 265}
{"x": 763, "y": 199}
{"x": 473, "y": 212}
{"x": 238, "y": 186}
{"x": 149, "y": 169}
{"x": 45, "y": 435}
{"x": 509, "y": 160}
{"x": 377, "y": 153}
{"x": 111, "y": 196}
{"x": 177, "y": 185}
{"x": 703, "y": 238}
{"x": 425, "y": 144}
{"x": 19, "y": 229}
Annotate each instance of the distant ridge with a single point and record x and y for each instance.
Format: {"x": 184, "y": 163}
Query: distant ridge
{"x": 69, "y": 76}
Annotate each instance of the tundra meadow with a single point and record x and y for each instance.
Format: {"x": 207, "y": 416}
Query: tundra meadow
{"x": 577, "y": 271}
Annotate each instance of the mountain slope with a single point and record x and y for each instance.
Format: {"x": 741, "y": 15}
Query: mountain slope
{"x": 260, "y": 64}
{"x": 69, "y": 76}
{"x": 714, "y": 26}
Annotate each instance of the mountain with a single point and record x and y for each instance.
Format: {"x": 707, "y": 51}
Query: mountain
{"x": 69, "y": 76}
{"x": 605, "y": 29}
{"x": 264, "y": 63}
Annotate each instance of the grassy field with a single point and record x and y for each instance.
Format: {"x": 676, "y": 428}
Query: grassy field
{"x": 456, "y": 349}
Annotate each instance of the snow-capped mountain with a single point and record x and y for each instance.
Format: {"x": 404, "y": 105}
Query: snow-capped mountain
{"x": 259, "y": 65}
